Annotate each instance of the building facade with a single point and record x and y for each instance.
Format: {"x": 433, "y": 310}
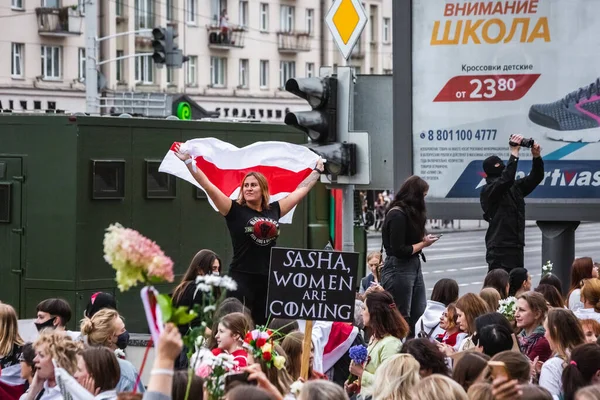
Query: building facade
{"x": 240, "y": 52}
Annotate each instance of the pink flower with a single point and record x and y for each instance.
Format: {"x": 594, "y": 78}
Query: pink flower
{"x": 135, "y": 257}
{"x": 203, "y": 371}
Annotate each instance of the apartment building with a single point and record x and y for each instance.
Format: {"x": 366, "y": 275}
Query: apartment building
{"x": 240, "y": 52}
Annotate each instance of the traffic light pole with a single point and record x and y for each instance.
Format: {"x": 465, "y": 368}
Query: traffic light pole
{"x": 91, "y": 73}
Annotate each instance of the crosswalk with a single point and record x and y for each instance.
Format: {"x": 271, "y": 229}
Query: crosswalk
{"x": 461, "y": 255}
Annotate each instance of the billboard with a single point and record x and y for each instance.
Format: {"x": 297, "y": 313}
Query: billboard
{"x": 483, "y": 70}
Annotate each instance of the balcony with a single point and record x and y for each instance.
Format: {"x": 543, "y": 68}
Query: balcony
{"x": 225, "y": 39}
{"x": 293, "y": 42}
{"x": 58, "y": 22}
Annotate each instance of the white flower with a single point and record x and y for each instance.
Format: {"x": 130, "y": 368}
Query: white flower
{"x": 199, "y": 278}
{"x": 209, "y": 308}
{"x": 296, "y": 388}
{"x": 212, "y": 280}
{"x": 203, "y": 288}
{"x": 228, "y": 283}
{"x": 200, "y": 341}
{"x": 508, "y": 307}
{"x": 547, "y": 268}
{"x": 120, "y": 353}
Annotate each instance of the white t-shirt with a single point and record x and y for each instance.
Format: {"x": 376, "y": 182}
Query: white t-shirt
{"x": 575, "y": 300}
{"x": 587, "y": 313}
{"x": 551, "y": 375}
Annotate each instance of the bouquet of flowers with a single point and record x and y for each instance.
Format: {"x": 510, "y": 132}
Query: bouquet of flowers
{"x": 260, "y": 344}
{"x": 508, "y": 307}
{"x": 547, "y": 268}
{"x": 135, "y": 258}
{"x": 213, "y": 370}
{"x": 359, "y": 355}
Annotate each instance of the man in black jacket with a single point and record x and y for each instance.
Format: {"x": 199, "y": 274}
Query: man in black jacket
{"x": 503, "y": 204}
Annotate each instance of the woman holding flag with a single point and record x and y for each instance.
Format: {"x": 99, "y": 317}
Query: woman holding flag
{"x": 252, "y": 219}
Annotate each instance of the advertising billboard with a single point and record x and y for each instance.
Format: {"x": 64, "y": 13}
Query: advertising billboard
{"x": 483, "y": 70}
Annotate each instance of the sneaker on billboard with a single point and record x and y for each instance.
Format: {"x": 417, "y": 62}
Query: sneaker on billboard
{"x": 574, "y": 118}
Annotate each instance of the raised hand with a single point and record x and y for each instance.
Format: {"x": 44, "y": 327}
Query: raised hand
{"x": 181, "y": 155}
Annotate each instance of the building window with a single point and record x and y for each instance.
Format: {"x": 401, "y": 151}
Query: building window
{"x": 244, "y": 73}
{"x": 171, "y": 75}
{"x": 16, "y": 66}
{"x": 243, "y": 13}
{"x": 217, "y": 7}
{"x": 287, "y": 70}
{"x": 50, "y": 3}
{"x": 373, "y": 19}
{"x": 356, "y": 70}
{"x": 81, "y": 59}
{"x": 310, "y": 21}
{"x": 191, "y": 71}
{"x": 51, "y": 62}
{"x": 310, "y": 70}
{"x": 386, "y": 30}
{"x": 119, "y": 8}
{"x": 218, "y": 71}
{"x": 17, "y": 4}
{"x": 264, "y": 74}
{"x": 144, "y": 69}
{"x": 120, "y": 66}
{"x": 264, "y": 17}
{"x": 81, "y": 6}
{"x": 287, "y": 18}
{"x": 170, "y": 10}
{"x": 191, "y": 11}
{"x": 143, "y": 14}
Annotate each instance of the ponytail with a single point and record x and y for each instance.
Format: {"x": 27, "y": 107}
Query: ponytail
{"x": 580, "y": 369}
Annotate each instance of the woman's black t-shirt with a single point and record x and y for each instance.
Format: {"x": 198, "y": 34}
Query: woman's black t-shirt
{"x": 252, "y": 234}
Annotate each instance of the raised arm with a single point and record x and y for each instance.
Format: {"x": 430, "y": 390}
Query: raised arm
{"x": 291, "y": 200}
{"x": 536, "y": 176}
{"x": 222, "y": 202}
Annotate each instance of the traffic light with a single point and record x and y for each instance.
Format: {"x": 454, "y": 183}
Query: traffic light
{"x": 165, "y": 48}
{"x": 320, "y": 124}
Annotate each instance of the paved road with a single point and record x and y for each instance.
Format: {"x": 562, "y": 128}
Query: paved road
{"x": 461, "y": 255}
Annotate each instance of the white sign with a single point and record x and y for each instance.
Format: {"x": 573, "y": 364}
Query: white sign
{"x": 486, "y": 69}
{"x": 346, "y": 20}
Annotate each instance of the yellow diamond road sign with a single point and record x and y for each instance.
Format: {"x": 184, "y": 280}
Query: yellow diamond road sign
{"x": 346, "y": 20}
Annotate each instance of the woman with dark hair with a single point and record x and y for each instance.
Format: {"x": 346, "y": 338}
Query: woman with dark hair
{"x": 499, "y": 280}
{"x": 468, "y": 368}
{"x": 551, "y": 295}
{"x": 100, "y": 301}
{"x": 431, "y": 360}
{"x": 227, "y": 306}
{"x": 253, "y": 224}
{"x": 445, "y": 292}
{"x": 519, "y": 281}
{"x": 98, "y": 371}
{"x": 582, "y": 370}
{"x": 404, "y": 237}
{"x": 583, "y": 268}
{"x": 205, "y": 262}
{"x": 553, "y": 280}
{"x": 388, "y": 330}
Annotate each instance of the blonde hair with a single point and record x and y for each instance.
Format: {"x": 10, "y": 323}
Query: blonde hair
{"x": 60, "y": 347}
{"x": 491, "y": 296}
{"x": 100, "y": 328}
{"x": 591, "y": 292}
{"x": 264, "y": 189}
{"x": 395, "y": 378}
{"x": 438, "y": 387}
{"x": 480, "y": 391}
{"x": 9, "y": 330}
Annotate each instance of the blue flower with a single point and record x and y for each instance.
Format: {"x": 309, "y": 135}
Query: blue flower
{"x": 358, "y": 354}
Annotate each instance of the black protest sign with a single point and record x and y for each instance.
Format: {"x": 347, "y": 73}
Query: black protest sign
{"x": 312, "y": 284}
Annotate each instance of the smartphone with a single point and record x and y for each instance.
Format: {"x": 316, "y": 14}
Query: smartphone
{"x": 498, "y": 369}
{"x": 240, "y": 378}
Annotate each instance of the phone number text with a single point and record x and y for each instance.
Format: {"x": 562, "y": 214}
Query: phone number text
{"x": 459, "y": 134}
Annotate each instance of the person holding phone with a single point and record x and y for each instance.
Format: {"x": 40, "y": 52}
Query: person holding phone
{"x": 404, "y": 238}
{"x": 503, "y": 204}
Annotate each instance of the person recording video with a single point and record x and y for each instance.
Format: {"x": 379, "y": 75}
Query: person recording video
{"x": 503, "y": 203}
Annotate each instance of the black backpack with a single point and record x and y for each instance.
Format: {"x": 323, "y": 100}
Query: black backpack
{"x": 423, "y": 334}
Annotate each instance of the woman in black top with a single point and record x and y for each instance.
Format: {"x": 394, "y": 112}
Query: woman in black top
{"x": 253, "y": 224}
{"x": 404, "y": 238}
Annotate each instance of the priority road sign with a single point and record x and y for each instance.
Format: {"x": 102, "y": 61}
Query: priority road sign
{"x": 346, "y": 20}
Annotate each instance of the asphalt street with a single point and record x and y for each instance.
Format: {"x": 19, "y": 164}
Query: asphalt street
{"x": 460, "y": 255}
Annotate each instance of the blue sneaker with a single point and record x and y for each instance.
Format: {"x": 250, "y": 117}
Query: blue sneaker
{"x": 575, "y": 118}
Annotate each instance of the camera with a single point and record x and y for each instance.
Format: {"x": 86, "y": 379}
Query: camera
{"x": 524, "y": 143}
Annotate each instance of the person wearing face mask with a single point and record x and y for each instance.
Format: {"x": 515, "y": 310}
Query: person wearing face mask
{"x": 106, "y": 328}
{"x": 503, "y": 203}
{"x": 54, "y": 314}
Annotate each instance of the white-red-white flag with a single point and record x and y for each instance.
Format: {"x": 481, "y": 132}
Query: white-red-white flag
{"x": 12, "y": 386}
{"x": 285, "y": 165}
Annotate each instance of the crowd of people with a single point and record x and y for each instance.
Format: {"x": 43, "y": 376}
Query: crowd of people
{"x": 547, "y": 346}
